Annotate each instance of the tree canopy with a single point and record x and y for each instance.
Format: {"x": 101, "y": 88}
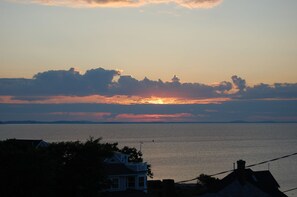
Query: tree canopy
{"x": 73, "y": 169}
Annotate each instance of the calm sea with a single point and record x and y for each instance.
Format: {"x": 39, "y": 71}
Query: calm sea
{"x": 183, "y": 151}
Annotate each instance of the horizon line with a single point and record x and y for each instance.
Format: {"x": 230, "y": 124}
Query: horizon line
{"x": 141, "y": 122}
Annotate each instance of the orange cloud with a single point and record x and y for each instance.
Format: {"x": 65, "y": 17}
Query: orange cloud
{"x": 99, "y": 99}
{"x": 172, "y": 100}
{"x": 153, "y": 117}
{"x": 125, "y": 3}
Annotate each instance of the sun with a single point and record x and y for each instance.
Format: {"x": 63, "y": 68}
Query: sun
{"x": 156, "y": 101}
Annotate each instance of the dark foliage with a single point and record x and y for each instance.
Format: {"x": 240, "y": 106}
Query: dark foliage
{"x": 65, "y": 169}
{"x": 206, "y": 182}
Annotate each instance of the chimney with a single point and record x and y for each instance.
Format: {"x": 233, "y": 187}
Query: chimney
{"x": 240, "y": 165}
{"x": 240, "y": 171}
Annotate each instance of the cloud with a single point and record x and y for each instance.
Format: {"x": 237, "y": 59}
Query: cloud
{"x": 126, "y": 3}
{"x": 251, "y": 110}
{"x": 72, "y": 82}
{"x": 239, "y": 83}
{"x": 107, "y": 95}
{"x": 109, "y": 86}
{"x": 99, "y": 99}
{"x": 128, "y": 85}
{"x": 153, "y": 117}
{"x": 60, "y": 82}
{"x": 101, "y": 82}
{"x": 276, "y": 91}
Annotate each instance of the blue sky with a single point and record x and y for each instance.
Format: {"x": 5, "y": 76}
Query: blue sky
{"x": 203, "y": 42}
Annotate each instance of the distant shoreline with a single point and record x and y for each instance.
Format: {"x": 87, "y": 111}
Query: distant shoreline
{"x": 93, "y": 122}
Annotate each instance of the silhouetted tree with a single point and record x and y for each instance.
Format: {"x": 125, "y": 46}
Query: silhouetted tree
{"x": 207, "y": 182}
{"x": 73, "y": 169}
{"x": 24, "y": 170}
{"x": 79, "y": 167}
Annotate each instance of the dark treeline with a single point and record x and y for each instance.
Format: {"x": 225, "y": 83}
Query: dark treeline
{"x": 73, "y": 169}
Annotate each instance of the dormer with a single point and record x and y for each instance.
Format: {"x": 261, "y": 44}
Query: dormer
{"x": 118, "y": 158}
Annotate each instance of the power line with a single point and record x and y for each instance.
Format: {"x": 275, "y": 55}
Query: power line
{"x": 275, "y": 159}
{"x": 219, "y": 173}
{"x": 252, "y": 165}
{"x": 290, "y": 190}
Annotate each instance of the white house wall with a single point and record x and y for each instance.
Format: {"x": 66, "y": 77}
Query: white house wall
{"x": 123, "y": 183}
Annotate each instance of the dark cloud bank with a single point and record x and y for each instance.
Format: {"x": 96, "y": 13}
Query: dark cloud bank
{"x": 102, "y": 82}
{"x": 253, "y": 111}
{"x": 262, "y": 102}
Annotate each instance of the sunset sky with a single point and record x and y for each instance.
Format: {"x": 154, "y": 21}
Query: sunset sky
{"x": 148, "y": 60}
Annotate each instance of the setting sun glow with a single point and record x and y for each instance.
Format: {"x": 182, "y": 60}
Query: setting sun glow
{"x": 156, "y": 101}
{"x": 117, "y": 99}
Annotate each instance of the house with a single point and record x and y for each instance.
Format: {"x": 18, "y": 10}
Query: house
{"x": 125, "y": 175}
{"x": 245, "y": 182}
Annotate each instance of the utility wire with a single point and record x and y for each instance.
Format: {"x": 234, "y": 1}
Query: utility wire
{"x": 252, "y": 165}
{"x": 275, "y": 159}
{"x": 290, "y": 190}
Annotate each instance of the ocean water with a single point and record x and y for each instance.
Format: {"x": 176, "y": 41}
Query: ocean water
{"x": 183, "y": 151}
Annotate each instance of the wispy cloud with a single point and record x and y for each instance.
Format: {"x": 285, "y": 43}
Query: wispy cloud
{"x": 153, "y": 117}
{"x": 124, "y": 3}
{"x": 99, "y": 99}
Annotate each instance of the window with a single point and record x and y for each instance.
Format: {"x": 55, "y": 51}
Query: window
{"x": 131, "y": 182}
{"x": 115, "y": 183}
{"x": 141, "y": 181}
